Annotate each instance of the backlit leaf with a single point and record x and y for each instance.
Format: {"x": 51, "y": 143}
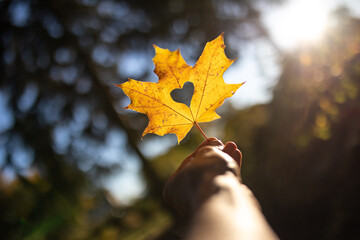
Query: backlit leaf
{"x": 154, "y": 99}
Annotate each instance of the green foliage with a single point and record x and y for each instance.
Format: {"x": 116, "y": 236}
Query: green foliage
{"x": 61, "y": 135}
{"x": 302, "y": 150}
{"x": 59, "y": 60}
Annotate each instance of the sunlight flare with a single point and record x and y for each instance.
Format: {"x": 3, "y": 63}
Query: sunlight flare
{"x": 300, "y": 22}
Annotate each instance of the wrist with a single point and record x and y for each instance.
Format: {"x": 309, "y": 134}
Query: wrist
{"x": 227, "y": 188}
{"x": 223, "y": 187}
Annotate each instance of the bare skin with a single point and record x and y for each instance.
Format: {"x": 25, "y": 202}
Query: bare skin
{"x": 206, "y": 190}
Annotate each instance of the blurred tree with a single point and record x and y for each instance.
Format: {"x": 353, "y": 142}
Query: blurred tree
{"x": 302, "y": 150}
{"x": 60, "y": 115}
{"x": 303, "y": 157}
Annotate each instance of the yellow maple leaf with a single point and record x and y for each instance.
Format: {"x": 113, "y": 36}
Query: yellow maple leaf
{"x": 154, "y": 99}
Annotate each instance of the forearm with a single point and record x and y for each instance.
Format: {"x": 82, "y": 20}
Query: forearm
{"x": 231, "y": 213}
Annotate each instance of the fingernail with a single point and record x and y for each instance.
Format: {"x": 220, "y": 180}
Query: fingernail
{"x": 216, "y": 142}
{"x": 221, "y": 147}
{"x": 212, "y": 139}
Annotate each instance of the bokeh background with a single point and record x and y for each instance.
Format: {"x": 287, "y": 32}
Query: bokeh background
{"x": 72, "y": 162}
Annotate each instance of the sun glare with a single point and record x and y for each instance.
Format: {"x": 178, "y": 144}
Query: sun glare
{"x": 298, "y": 22}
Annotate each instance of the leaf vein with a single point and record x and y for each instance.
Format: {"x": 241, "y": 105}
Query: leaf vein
{"x": 219, "y": 100}
{"x": 206, "y": 79}
{"x": 159, "y": 102}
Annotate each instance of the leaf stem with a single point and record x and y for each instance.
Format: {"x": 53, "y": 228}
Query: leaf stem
{"x": 197, "y": 125}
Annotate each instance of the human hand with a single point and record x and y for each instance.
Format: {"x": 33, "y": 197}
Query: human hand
{"x": 193, "y": 182}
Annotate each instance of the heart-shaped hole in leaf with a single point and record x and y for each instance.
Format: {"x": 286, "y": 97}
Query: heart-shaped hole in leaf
{"x": 183, "y": 95}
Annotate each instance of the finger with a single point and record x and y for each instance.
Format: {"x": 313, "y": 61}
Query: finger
{"x": 241, "y": 158}
{"x": 215, "y": 143}
{"x": 232, "y": 150}
{"x": 217, "y": 161}
{"x": 236, "y": 155}
{"x": 208, "y": 142}
{"x": 229, "y": 147}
